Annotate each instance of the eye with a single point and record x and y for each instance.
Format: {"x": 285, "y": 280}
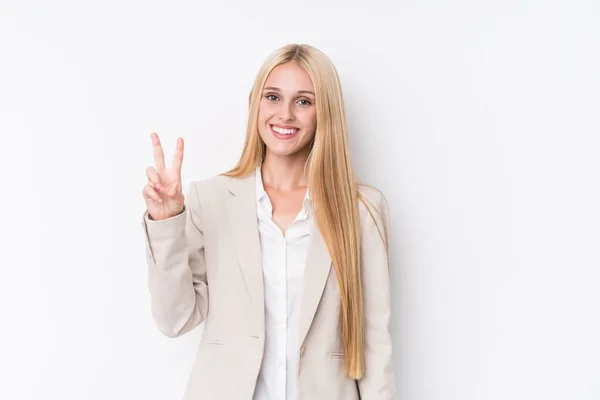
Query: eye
{"x": 271, "y": 97}
{"x": 304, "y": 102}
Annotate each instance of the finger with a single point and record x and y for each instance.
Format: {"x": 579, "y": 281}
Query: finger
{"x": 159, "y": 157}
{"x": 170, "y": 190}
{"x": 153, "y": 178}
{"x": 173, "y": 188}
{"x": 149, "y": 193}
{"x": 178, "y": 158}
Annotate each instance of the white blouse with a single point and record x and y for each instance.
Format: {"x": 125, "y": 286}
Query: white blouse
{"x": 283, "y": 263}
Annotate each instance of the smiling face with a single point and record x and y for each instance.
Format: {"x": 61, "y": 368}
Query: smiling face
{"x": 287, "y": 116}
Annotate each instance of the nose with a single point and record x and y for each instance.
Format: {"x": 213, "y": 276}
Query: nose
{"x": 286, "y": 113}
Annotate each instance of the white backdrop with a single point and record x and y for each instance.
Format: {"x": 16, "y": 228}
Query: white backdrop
{"x": 478, "y": 120}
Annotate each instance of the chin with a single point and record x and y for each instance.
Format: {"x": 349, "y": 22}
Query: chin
{"x": 286, "y": 151}
{"x": 282, "y": 152}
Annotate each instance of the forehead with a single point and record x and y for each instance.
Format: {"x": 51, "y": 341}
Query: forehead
{"x": 289, "y": 77}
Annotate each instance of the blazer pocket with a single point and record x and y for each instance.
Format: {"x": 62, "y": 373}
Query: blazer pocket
{"x": 337, "y": 354}
{"x": 211, "y": 342}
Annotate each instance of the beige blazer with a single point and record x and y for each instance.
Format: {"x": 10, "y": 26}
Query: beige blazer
{"x": 204, "y": 265}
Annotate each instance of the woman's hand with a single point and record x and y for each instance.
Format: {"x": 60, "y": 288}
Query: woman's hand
{"x": 163, "y": 193}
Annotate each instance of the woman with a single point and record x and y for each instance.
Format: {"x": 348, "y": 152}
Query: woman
{"x": 291, "y": 249}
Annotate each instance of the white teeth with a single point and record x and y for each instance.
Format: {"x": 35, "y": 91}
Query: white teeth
{"x": 284, "y": 131}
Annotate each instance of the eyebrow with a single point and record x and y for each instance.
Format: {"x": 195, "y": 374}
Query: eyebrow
{"x": 279, "y": 90}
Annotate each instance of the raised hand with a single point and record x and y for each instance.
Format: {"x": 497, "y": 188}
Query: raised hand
{"x": 163, "y": 192}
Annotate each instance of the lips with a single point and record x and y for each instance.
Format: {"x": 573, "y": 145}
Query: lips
{"x": 284, "y": 132}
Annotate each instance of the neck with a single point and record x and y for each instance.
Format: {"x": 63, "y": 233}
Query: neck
{"x": 284, "y": 172}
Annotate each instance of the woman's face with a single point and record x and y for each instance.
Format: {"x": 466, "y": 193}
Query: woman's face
{"x": 287, "y": 117}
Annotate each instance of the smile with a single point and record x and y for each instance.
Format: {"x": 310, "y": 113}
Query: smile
{"x": 284, "y": 131}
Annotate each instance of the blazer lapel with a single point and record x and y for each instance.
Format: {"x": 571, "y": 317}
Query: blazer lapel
{"x": 318, "y": 266}
{"x": 241, "y": 210}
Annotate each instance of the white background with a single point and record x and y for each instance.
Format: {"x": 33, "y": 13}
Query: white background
{"x": 478, "y": 120}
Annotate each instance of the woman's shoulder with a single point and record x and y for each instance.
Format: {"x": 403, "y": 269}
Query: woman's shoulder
{"x": 372, "y": 196}
{"x": 206, "y": 189}
{"x": 211, "y": 182}
{"x": 373, "y": 208}
{"x": 216, "y": 186}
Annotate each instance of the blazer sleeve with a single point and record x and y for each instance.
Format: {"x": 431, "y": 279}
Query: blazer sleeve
{"x": 378, "y": 381}
{"x": 177, "y": 269}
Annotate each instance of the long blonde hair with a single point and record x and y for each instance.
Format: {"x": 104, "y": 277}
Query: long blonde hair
{"x": 331, "y": 181}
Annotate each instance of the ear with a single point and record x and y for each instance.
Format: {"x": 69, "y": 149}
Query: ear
{"x": 249, "y": 98}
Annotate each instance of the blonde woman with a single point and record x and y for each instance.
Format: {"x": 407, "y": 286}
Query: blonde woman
{"x": 284, "y": 257}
